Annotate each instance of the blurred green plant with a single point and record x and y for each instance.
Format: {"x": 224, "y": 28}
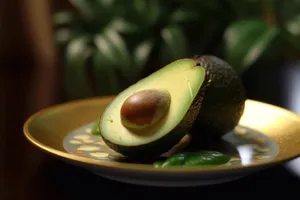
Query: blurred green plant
{"x": 94, "y": 56}
{"x": 107, "y": 45}
{"x": 254, "y": 36}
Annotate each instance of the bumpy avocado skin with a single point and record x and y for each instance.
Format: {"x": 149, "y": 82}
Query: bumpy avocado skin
{"x": 222, "y": 102}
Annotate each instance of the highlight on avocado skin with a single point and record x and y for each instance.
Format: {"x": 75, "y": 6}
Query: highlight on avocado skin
{"x": 194, "y": 159}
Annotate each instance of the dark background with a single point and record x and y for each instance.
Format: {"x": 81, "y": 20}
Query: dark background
{"x": 30, "y": 79}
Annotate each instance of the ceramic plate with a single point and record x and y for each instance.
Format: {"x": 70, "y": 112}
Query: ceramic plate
{"x": 266, "y": 135}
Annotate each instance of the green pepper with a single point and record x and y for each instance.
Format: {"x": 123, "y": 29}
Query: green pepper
{"x": 206, "y": 158}
{"x": 194, "y": 159}
{"x": 158, "y": 163}
{"x": 95, "y": 128}
{"x": 177, "y": 159}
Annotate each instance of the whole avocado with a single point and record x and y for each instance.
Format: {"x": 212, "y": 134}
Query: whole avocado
{"x": 223, "y": 100}
{"x": 151, "y": 116}
{"x": 206, "y": 99}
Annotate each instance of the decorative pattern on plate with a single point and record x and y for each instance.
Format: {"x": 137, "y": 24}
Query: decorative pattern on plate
{"x": 247, "y": 146}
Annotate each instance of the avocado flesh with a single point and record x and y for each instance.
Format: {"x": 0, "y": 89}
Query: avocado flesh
{"x": 183, "y": 79}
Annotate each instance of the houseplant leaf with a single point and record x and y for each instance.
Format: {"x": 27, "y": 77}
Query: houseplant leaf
{"x": 153, "y": 11}
{"x": 108, "y": 10}
{"x": 97, "y": 13}
{"x": 143, "y": 14}
{"x": 123, "y": 26}
{"x": 246, "y": 41}
{"x": 104, "y": 72}
{"x": 174, "y": 44}
{"x": 64, "y": 18}
{"x": 293, "y": 28}
{"x": 245, "y": 8}
{"x": 114, "y": 49}
{"x": 141, "y": 55}
{"x": 66, "y": 25}
{"x": 85, "y": 7}
{"x": 288, "y": 18}
{"x": 182, "y": 15}
{"x": 78, "y": 52}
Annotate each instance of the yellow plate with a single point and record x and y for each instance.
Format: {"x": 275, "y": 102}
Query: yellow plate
{"x": 266, "y": 135}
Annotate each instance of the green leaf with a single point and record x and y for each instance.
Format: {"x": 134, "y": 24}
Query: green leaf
{"x": 293, "y": 28}
{"x": 85, "y": 7}
{"x": 246, "y": 8}
{"x": 66, "y": 25}
{"x": 63, "y": 36}
{"x": 182, "y": 15}
{"x": 288, "y": 18}
{"x": 154, "y": 11}
{"x": 144, "y": 13}
{"x": 97, "y": 13}
{"x": 75, "y": 72}
{"x": 122, "y": 26}
{"x": 64, "y": 18}
{"x": 107, "y": 10}
{"x": 105, "y": 75}
{"x": 174, "y": 43}
{"x": 246, "y": 41}
{"x": 204, "y": 11}
{"x": 140, "y": 5}
{"x": 107, "y": 3}
{"x": 200, "y": 158}
{"x": 141, "y": 54}
{"x": 114, "y": 49}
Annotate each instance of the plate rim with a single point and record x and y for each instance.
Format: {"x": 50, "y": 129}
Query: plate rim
{"x": 144, "y": 167}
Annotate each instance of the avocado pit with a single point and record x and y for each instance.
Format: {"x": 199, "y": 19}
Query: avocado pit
{"x": 145, "y": 108}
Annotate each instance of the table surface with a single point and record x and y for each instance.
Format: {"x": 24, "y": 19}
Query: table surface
{"x": 39, "y": 176}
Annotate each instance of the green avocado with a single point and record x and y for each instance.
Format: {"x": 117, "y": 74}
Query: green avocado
{"x": 183, "y": 80}
{"x": 163, "y": 107}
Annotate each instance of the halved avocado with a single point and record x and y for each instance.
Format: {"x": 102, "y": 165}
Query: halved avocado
{"x": 206, "y": 100}
{"x": 183, "y": 80}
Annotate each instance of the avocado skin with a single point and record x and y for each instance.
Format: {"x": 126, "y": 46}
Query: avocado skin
{"x": 150, "y": 150}
{"x": 222, "y": 100}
